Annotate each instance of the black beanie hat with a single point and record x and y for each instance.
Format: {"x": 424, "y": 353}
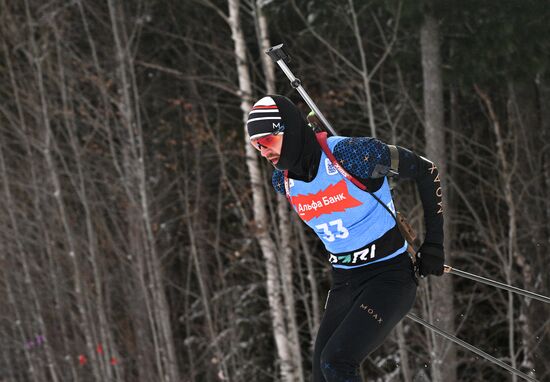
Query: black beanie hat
{"x": 300, "y": 153}
{"x": 264, "y": 118}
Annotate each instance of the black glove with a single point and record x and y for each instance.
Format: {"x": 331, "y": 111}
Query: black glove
{"x": 430, "y": 259}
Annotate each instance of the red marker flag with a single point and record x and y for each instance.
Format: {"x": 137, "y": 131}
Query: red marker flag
{"x": 82, "y": 360}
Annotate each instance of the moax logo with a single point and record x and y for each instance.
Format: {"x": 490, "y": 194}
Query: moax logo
{"x": 278, "y": 128}
{"x": 372, "y": 313}
{"x": 363, "y": 255}
{"x": 438, "y": 191}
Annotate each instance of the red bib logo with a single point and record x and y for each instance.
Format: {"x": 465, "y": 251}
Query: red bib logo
{"x": 336, "y": 198}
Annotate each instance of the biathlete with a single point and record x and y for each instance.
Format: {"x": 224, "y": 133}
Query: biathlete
{"x": 373, "y": 278}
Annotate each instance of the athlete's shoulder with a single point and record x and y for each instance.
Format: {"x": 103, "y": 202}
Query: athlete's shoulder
{"x": 278, "y": 181}
{"x": 364, "y": 157}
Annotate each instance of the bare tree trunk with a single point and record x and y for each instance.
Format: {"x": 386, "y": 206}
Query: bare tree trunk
{"x": 403, "y": 353}
{"x": 264, "y": 43}
{"x": 315, "y": 303}
{"x": 522, "y": 120}
{"x": 49, "y": 145}
{"x": 285, "y": 229}
{"x": 506, "y": 175}
{"x": 544, "y": 100}
{"x": 286, "y": 269}
{"x": 19, "y": 322}
{"x": 193, "y": 215}
{"x": 444, "y": 355}
{"x": 131, "y": 120}
{"x": 193, "y": 370}
{"x": 280, "y": 330}
{"x": 542, "y": 279}
{"x": 364, "y": 70}
{"x": 10, "y": 206}
{"x": 70, "y": 126}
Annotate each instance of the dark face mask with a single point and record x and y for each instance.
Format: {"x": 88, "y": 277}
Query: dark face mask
{"x": 300, "y": 153}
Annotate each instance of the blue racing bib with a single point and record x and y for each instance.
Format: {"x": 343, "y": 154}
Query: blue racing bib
{"x": 355, "y": 228}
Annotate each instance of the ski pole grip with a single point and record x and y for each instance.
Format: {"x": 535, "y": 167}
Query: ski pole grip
{"x": 277, "y": 53}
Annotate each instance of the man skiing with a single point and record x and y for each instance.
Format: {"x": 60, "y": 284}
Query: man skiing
{"x": 373, "y": 279}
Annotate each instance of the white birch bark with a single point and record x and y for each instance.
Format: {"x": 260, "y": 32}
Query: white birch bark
{"x": 364, "y": 70}
{"x": 285, "y": 231}
{"x": 260, "y": 214}
{"x": 316, "y": 306}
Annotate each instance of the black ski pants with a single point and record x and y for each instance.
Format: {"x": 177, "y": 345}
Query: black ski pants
{"x": 362, "y": 307}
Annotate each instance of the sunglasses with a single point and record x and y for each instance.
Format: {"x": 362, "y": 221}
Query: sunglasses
{"x": 269, "y": 141}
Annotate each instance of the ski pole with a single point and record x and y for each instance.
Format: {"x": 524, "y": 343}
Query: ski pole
{"x": 523, "y": 292}
{"x": 471, "y": 347}
{"x": 278, "y": 54}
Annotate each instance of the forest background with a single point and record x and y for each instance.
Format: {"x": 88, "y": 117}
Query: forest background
{"x": 140, "y": 237}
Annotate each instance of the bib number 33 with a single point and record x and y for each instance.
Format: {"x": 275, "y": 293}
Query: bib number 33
{"x": 335, "y": 231}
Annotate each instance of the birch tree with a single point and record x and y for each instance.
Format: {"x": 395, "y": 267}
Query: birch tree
{"x": 290, "y": 371}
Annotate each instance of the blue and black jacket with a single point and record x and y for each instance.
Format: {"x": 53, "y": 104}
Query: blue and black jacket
{"x": 354, "y": 227}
